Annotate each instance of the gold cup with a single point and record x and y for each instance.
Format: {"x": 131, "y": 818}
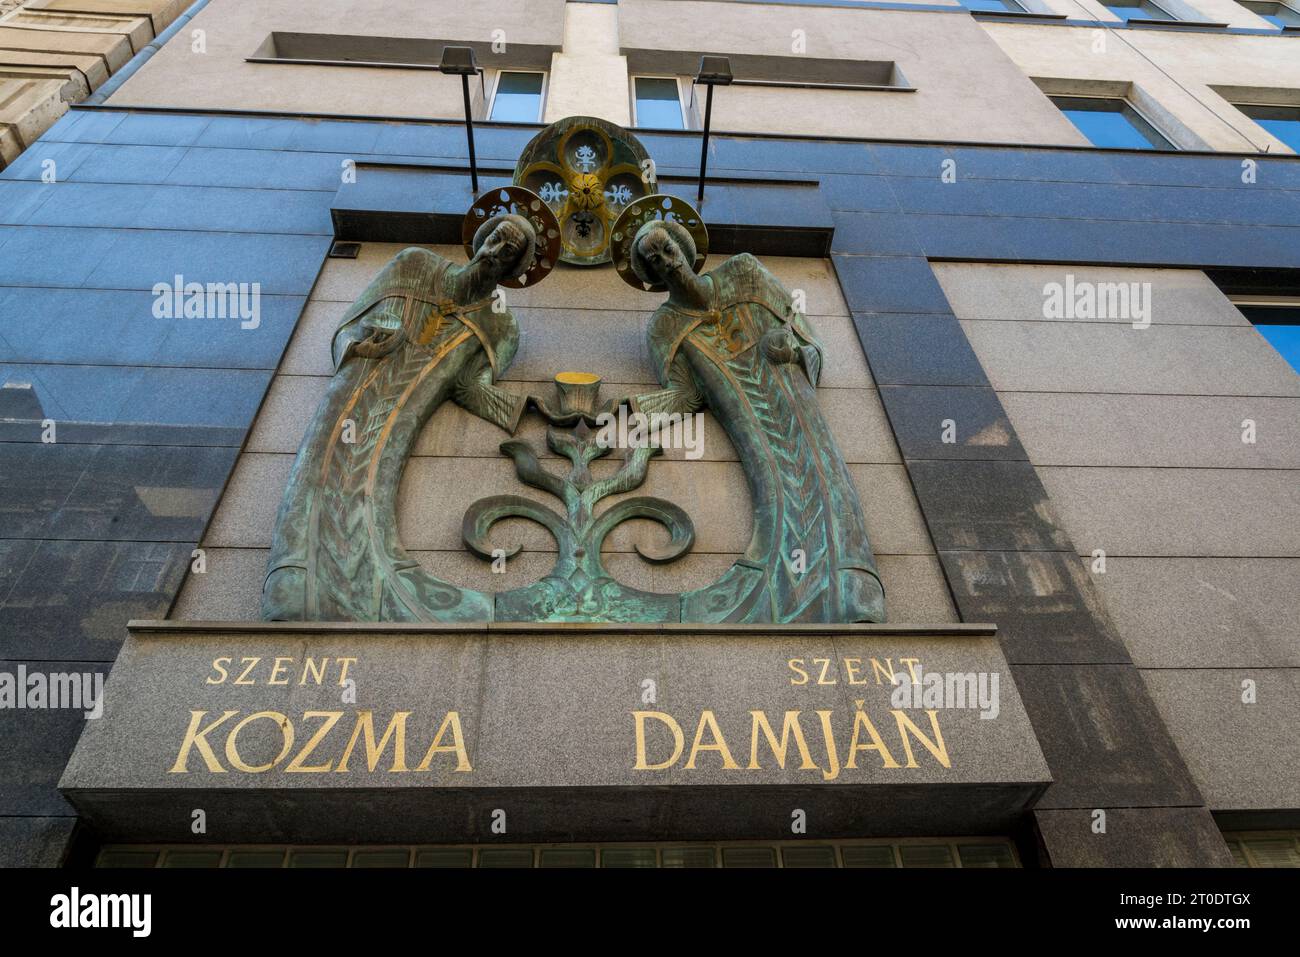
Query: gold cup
{"x": 578, "y": 392}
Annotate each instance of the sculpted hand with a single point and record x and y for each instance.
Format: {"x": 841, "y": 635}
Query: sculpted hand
{"x": 779, "y": 346}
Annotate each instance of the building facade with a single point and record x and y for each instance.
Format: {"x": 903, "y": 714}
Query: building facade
{"x": 1050, "y": 248}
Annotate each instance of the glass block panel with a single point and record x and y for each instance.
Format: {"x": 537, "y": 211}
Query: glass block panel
{"x": 986, "y": 855}
{"x": 127, "y": 858}
{"x": 749, "y": 857}
{"x": 445, "y": 857}
{"x": 812, "y": 855}
{"x": 1274, "y": 853}
{"x": 927, "y": 855}
{"x": 272, "y": 858}
{"x": 628, "y": 857}
{"x": 868, "y": 855}
{"x": 395, "y": 857}
{"x": 568, "y": 857}
{"x": 205, "y": 858}
{"x": 319, "y": 858}
{"x": 505, "y": 857}
{"x": 689, "y": 857}
{"x": 1238, "y": 855}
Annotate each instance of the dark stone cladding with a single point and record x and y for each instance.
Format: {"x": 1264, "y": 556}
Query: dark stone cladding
{"x": 98, "y": 528}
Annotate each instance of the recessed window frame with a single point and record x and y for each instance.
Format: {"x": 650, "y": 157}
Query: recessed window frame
{"x": 1242, "y": 106}
{"x": 683, "y": 101}
{"x": 541, "y": 100}
{"x": 1008, "y": 6}
{"x": 1138, "y": 4}
{"x": 1144, "y": 120}
{"x": 1254, "y": 5}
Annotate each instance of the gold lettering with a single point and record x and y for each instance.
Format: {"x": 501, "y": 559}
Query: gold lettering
{"x": 861, "y": 721}
{"x": 851, "y": 666}
{"x": 935, "y": 747}
{"x": 218, "y": 666}
{"x": 317, "y": 671}
{"x": 679, "y": 740}
{"x": 790, "y": 725}
{"x": 879, "y": 671}
{"x": 194, "y": 738}
{"x": 796, "y": 665}
{"x": 826, "y": 663}
{"x": 832, "y": 756}
{"x": 911, "y": 668}
{"x": 456, "y": 747}
{"x": 708, "y": 720}
{"x": 396, "y": 730}
{"x": 331, "y": 719}
{"x": 343, "y": 669}
{"x": 276, "y": 670}
{"x": 252, "y": 663}
{"x": 232, "y": 752}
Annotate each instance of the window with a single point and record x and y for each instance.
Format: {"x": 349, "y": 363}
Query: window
{"x": 1111, "y": 122}
{"x": 997, "y": 6}
{"x": 1279, "y": 323}
{"x": 517, "y": 97}
{"x": 657, "y": 103}
{"x": 875, "y": 853}
{"x": 1282, "y": 121}
{"x": 1128, "y": 10}
{"x": 1278, "y": 14}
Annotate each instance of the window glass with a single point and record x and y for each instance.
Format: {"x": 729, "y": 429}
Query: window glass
{"x": 995, "y": 5}
{"x": 1280, "y": 325}
{"x": 518, "y": 98}
{"x": 1278, "y": 14}
{"x": 1111, "y": 122}
{"x": 658, "y": 105}
{"x": 1128, "y": 10}
{"x": 1282, "y": 121}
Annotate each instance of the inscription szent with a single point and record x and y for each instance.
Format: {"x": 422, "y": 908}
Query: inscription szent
{"x": 638, "y": 730}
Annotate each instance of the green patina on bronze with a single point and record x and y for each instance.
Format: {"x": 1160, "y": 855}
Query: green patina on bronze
{"x": 579, "y": 588}
{"x": 729, "y": 341}
{"x": 423, "y": 332}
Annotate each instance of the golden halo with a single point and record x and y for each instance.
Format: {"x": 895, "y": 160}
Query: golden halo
{"x": 647, "y": 209}
{"x": 517, "y": 201}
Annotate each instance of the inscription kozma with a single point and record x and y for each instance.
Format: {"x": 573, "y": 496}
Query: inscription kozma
{"x": 819, "y": 741}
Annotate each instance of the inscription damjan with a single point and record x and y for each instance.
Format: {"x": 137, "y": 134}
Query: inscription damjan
{"x": 822, "y": 741}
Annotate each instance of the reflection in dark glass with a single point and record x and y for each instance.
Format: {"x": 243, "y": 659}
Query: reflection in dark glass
{"x": 1111, "y": 122}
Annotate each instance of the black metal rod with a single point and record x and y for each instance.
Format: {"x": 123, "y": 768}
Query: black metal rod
{"x": 704, "y": 144}
{"x": 469, "y": 132}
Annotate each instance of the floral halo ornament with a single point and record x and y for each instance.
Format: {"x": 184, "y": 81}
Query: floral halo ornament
{"x": 680, "y": 218}
{"x": 497, "y": 205}
{"x": 586, "y": 170}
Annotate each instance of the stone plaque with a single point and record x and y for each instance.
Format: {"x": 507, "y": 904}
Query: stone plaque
{"x": 394, "y": 732}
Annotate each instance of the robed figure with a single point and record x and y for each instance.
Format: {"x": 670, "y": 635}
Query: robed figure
{"x": 730, "y": 340}
{"x": 425, "y": 331}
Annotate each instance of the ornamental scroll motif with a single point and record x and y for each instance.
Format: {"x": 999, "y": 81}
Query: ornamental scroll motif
{"x": 728, "y": 342}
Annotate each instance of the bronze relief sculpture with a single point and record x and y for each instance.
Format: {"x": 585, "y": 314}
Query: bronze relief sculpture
{"x": 731, "y": 341}
{"x": 426, "y": 330}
